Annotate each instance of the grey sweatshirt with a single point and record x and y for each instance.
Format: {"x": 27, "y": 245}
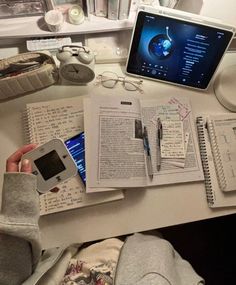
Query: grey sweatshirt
{"x": 143, "y": 259}
{"x": 151, "y": 260}
{"x": 19, "y": 232}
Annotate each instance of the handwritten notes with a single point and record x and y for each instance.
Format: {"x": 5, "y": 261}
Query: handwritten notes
{"x": 172, "y": 143}
{"x": 183, "y": 109}
{"x": 63, "y": 119}
{"x": 59, "y": 120}
{"x": 168, "y": 112}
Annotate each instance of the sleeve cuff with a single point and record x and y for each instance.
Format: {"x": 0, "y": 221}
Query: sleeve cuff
{"x": 20, "y": 200}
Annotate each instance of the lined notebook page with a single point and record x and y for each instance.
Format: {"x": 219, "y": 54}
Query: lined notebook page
{"x": 222, "y": 132}
{"x": 215, "y": 196}
{"x": 61, "y": 119}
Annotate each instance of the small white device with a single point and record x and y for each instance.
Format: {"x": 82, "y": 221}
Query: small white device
{"x": 52, "y": 164}
{"x": 76, "y": 64}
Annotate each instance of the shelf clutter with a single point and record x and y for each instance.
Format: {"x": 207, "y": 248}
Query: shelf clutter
{"x": 34, "y": 25}
{"x": 99, "y": 16}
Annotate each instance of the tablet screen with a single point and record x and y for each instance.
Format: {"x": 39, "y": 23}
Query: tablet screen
{"x": 175, "y": 50}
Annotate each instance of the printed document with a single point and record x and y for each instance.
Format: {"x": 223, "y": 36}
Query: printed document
{"x": 115, "y": 155}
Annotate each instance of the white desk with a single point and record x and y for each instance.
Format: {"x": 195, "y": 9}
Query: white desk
{"x": 141, "y": 209}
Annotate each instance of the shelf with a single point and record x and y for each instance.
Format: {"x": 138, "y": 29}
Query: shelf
{"x": 31, "y": 27}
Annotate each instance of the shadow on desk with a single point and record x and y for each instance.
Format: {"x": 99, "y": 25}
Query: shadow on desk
{"x": 210, "y": 247}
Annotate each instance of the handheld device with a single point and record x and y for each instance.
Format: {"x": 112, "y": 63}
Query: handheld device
{"x": 76, "y": 147}
{"x": 177, "y": 47}
{"x": 52, "y": 164}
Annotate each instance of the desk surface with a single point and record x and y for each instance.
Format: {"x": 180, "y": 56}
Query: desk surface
{"x": 141, "y": 209}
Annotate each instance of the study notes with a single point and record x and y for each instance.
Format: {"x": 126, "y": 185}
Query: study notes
{"x": 217, "y": 142}
{"x": 115, "y": 155}
{"x": 63, "y": 119}
{"x": 222, "y": 135}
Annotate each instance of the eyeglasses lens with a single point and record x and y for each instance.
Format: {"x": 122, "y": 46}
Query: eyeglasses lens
{"x": 130, "y": 86}
{"x": 109, "y": 79}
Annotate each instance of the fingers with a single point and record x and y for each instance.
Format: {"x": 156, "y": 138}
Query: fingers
{"x": 12, "y": 164}
{"x": 26, "y": 166}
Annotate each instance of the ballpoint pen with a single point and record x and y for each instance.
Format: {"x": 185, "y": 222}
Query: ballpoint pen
{"x": 159, "y": 138}
{"x": 148, "y": 153}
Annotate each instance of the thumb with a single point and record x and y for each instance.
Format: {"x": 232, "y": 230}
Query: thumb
{"x": 26, "y": 166}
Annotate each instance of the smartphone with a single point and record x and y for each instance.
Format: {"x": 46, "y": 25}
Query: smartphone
{"x": 75, "y": 145}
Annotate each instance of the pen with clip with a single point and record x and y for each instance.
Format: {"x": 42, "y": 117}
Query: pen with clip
{"x": 159, "y": 138}
{"x": 148, "y": 153}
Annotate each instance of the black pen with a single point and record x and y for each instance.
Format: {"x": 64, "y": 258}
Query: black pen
{"x": 148, "y": 153}
{"x": 159, "y": 138}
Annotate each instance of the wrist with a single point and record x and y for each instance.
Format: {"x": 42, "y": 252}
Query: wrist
{"x": 19, "y": 196}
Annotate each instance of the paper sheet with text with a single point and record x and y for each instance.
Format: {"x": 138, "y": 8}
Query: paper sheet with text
{"x": 115, "y": 151}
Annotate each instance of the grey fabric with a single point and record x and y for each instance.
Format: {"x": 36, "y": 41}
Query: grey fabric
{"x": 15, "y": 260}
{"x": 151, "y": 260}
{"x": 46, "y": 264}
{"x": 144, "y": 259}
{"x": 19, "y": 232}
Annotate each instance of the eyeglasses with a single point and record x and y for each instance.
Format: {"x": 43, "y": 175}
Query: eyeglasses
{"x": 109, "y": 79}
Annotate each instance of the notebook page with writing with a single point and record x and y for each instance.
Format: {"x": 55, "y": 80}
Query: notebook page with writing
{"x": 63, "y": 119}
{"x": 222, "y": 133}
{"x": 215, "y": 197}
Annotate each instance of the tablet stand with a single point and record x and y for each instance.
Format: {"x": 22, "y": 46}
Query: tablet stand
{"x": 225, "y": 86}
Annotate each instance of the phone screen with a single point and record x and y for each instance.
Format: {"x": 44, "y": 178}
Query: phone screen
{"x": 75, "y": 145}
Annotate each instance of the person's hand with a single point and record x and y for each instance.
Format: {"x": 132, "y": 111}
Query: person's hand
{"x": 13, "y": 162}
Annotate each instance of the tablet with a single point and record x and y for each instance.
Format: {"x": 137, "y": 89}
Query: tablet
{"x": 177, "y": 47}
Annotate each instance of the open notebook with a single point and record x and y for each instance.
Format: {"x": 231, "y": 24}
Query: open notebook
{"x": 63, "y": 119}
{"x": 217, "y": 142}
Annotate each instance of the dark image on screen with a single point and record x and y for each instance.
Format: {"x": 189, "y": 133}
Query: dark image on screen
{"x": 176, "y": 51}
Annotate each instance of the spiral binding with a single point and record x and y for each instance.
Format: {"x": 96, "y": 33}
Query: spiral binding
{"x": 216, "y": 156}
{"x": 204, "y": 158}
{"x": 27, "y": 126}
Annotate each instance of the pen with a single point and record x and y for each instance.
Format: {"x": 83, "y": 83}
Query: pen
{"x": 148, "y": 153}
{"x": 159, "y": 138}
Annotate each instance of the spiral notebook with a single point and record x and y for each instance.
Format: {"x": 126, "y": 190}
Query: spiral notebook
{"x": 217, "y": 142}
{"x": 63, "y": 119}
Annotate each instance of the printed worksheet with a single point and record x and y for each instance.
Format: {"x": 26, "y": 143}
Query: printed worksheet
{"x": 115, "y": 151}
